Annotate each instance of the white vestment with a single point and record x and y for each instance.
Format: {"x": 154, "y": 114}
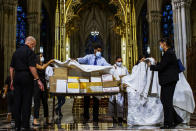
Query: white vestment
{"x": 117, "y": 71}
{"x": 144, "y": 105}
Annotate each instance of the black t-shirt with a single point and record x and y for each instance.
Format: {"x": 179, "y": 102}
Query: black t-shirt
{"x": 23, "y": 58}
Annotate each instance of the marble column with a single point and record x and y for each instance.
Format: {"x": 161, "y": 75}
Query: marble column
{"x": 8, "y": 14}
{"x": 154, "y": 20}
{"x": 34, "y": 20}
{"x": 182, "y": 29}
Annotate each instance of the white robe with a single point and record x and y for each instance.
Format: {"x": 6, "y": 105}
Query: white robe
{"x": 117, "y": 71}
{"x": 144, "y": 107}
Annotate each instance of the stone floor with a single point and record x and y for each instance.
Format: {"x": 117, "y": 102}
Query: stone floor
{"x": 72, "y": 120}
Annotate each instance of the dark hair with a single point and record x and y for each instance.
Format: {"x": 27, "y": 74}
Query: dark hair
{"x": 118, "y": 57}
{"x": 167, "y": 41}
{"x": 97, "y": 46}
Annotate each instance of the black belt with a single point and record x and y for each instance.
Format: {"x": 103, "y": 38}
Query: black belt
{"x": 22, "y": 70}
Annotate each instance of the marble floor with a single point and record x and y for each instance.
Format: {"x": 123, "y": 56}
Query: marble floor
{"x": 72, "y": 120}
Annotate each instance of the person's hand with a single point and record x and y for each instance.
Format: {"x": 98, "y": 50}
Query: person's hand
{"x": 142, "y": 60}
{"x": 149, "y": 64}
{"x": 11, "y": 86}
{"x": 40, "y": 84}
{"x": 3, "y": 96}
{"x": 51, "y": 61}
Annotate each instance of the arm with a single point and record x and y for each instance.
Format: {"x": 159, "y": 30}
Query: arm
{"x": 105, "y": 63}
{"x": 36, "y": 77}
{"x": 43, "y": 67}
{"x": 5, "y": 90}
{"x": 83, "y": 60}
{"x": 11, "y": 77}
{"x": 162, "y": 65}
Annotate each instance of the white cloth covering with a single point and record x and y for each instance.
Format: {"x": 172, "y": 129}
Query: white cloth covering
{"x": 84, "y": 68}
{"x": 144, "y": 105}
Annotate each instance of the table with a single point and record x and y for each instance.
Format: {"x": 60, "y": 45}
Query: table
{"x": 82, "y": 94}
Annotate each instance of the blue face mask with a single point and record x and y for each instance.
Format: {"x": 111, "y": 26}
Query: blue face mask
{"x": 98, "y": 54}
{"x": 161, "y": 49}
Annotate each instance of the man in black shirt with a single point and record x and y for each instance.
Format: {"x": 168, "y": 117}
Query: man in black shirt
{"x": 23, "y": 73}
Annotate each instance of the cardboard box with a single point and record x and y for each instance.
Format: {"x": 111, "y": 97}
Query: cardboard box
{"x": 84, "y": 79}
{"x": 110, "y": 84}
{"x": 95, "y": 73}
{"x": 96, "y": 79}
{"x": 94, "y": 87}
{"x": 78, "y": 73}
{"x": 73, "y": 88}
{"x": 52, "y": 83}
{"x": 107, "y": 77}
{"x": 73, "y": 79}
{"x": 60, "y": 71}
{"x": 61, "y": 86}
{"x": 111, "y": 89}
{"x": 83, "y": 87}
{"x": 53, "y": 80}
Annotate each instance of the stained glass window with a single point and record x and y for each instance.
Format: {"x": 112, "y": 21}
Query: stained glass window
{"x": 20, "y": 27}
{"x": 91, "y": 41}
{"x": 144, "y": 31}
{"x": 167, "y": 22}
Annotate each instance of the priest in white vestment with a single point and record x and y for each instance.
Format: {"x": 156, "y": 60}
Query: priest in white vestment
{"x": 118, "y": 71}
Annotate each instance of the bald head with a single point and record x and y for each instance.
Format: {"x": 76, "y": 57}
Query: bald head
{"x": 30, "y": 42}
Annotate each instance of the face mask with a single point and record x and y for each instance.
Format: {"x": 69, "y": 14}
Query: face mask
{"x": 98, "y": 54}
{"x": 161, "y": 49}
{"x": 119, "y": 64}
{"x": 42, "y": 59}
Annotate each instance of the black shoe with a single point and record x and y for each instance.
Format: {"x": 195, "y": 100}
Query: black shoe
{"x": 177, "y": 123}
{"x": 95, "y": 123}
{"x": 120, "y": 121}
{"x": 17, "y": 129}
{"x": 166, "y": 127}
{"x": 85, "y": 120}
{"x": 27, "y": 129}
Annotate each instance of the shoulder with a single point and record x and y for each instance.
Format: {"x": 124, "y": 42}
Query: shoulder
{"x": 170, "y": 52}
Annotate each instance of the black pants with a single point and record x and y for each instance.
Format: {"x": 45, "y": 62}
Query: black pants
{"x": 10, "y": 104}
{"x": 95, "y": 108}
{"x": 61, "y": 102}
{"x": 167, "y": 93}
{"x": 40, "y": 95}
{"x": 22, "y": 104}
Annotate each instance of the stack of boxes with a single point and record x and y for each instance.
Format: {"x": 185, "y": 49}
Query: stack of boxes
{"x": 76, "y": 81}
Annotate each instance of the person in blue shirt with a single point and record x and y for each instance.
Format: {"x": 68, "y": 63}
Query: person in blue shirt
{"x": 93, "y": 59}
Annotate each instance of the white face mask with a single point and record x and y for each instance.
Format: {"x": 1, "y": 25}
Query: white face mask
{"x": 98, "y": 54}
{"x": 119, "y": 64}
{"x": 42, "y": 59}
